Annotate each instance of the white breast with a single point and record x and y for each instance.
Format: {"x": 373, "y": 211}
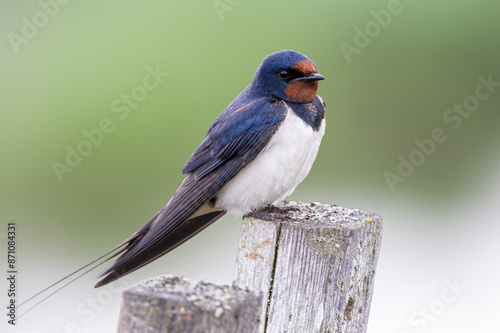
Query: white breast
{"x": 277, "y": 170}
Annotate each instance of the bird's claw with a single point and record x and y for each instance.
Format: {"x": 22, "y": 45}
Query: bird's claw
{"x": 271, "y": 217}
{"x": 283, "y": 209}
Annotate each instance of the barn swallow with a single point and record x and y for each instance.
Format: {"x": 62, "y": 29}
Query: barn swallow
{"x": 254, "y": 155}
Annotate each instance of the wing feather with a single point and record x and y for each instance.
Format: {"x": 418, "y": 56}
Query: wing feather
{"x": 229, "y": 146}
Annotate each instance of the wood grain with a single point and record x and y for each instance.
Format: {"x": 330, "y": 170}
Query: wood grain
{"x": 172, "y": 304}
{"x": 315, "y": 271}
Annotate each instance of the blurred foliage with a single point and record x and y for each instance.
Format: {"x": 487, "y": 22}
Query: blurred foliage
{"x": 65, "y": 78}
{"x": 65, "y": 75}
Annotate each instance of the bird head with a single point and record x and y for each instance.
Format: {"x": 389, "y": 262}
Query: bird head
{"x": 287, "y": 75}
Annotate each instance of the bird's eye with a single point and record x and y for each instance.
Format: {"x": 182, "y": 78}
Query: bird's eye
{"x": 284, "y": 74}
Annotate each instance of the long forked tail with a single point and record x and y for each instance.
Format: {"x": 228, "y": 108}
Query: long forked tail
{"x": 67, "y": 277}
{"x": 139, "y": 255}
{"x": 133, "y": 253}
{"x": 51, "y": 290}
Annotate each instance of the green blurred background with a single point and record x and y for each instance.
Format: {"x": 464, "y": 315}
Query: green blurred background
{"x": 61, "y": 78}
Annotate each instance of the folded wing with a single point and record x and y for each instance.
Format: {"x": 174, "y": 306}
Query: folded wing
{"x": 232, "y": 142}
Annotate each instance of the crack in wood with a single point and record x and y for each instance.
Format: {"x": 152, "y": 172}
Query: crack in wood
{"x": 273, "y": 271}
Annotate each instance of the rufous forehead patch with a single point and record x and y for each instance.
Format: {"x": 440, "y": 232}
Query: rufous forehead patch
{"x": 306, "y": 67}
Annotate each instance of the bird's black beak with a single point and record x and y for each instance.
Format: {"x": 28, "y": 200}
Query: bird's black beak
{"x": 312, "y": 77}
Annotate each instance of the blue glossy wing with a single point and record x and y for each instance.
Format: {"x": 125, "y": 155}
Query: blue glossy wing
{"x": 232, "y": 142}
{"x": 237, "y": 133}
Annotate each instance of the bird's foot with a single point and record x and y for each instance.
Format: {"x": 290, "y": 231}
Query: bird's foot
{"x": 276, "y": 209}
{"x": 266, "y": 217}
{"x": 279, "y": 213}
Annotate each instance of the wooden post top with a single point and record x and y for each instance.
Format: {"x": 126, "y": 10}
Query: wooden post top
{"x": 317, "y": 214}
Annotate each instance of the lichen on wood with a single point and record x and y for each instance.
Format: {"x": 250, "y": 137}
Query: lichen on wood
{"x": 317, "y": 273}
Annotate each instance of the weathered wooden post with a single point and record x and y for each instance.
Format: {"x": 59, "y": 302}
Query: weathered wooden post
{"x": 173, "y": 304}
{"x": 315, "y": 270}
{"x": 312, "y": 272}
